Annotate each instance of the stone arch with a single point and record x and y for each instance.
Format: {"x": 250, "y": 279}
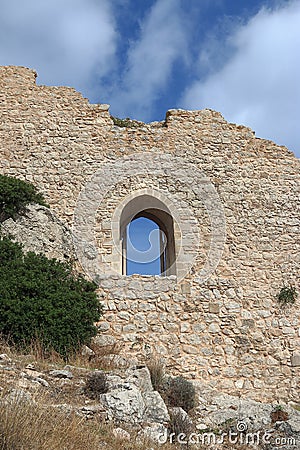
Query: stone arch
{"x": 107, "y": 260}
{"x": 153, "y": 208}
{"x": 155, "y": 205}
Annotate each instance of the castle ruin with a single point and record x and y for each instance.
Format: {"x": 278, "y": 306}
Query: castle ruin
{"x": 228, "y": 203}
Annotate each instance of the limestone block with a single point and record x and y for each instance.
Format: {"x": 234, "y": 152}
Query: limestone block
{"x": 295, "y": 359}
{"x": 155, "y": 408}
{"x": 214, "y": 308}
{"x": 213, "y": 328}
{"x": 140, "y": 376}
{"x": 48, "y": 234}
{"x": 61, "y": 374}
{"x": 125, "y": 404}
{"x": 103, "y": 339}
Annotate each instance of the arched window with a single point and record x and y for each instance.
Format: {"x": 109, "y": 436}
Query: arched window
{"x": 145, "y": 247}
{"x": 147, "y": 234}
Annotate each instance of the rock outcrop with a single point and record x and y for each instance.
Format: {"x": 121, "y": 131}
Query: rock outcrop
{"x": 39, "y": 230}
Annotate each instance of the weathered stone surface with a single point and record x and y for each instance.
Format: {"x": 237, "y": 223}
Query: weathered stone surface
{"x": 4, "y": 357}
{"x": 121, "y": 434}
{"x": 42, "y": 381}
{"x": 140, "y": 376}
{"x": 103, "y": 340}
{"x": 132, "y": 399}
{"x": 61, "y": 374}
{"x": 155, "y": 408}
{"x": 251, "y": 415}
{"x": 40, "y": 231}
{"x": 295, "y": 359}
{"x": 86, "y": 351}
{"x": 18, "y": 396}
{"x": 125, "y": 405}
{"x": 177, "y": 410}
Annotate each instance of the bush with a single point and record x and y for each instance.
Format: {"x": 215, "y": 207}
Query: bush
{"x": 180, "y": 392}
{"x": 42, "y": 299}
{"x": 15, "y": 194}
{"x": 96, "y": 384}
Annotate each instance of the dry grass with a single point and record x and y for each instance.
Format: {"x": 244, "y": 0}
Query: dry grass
{"x": 157, "y": 372}
{"x": 34, "y": 354}
{"x": 37, "y": 425}
{"x": 104, "y": 358}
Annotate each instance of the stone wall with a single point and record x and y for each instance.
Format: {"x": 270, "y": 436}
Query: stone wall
{"x": 219, "y": 321}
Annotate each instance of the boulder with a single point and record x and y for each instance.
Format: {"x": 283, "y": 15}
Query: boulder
{"x": 140, "y": 377}
{"x": 125, "y": 404}
{"x": 121, "y": 434}
{"x": 40, "y": 231}
{"x": 155, "y": 408}
{"x": 18, "y": 396}
{"x": 61, "y": 374}
{"x": 5, "y": 357}
{"x": 103, "y": 340}
{"x": 86, "y": 351}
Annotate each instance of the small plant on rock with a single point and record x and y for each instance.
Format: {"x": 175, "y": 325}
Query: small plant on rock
{"x": 157, "y": 373}
{"x": 127, "y": 122}
{"x": 96, "y": 384}
{"x": 279, "y": 415}
{"x": 287, "y": 295}
{"x": 179, "y": 423}
{"x": 180, "y": 392}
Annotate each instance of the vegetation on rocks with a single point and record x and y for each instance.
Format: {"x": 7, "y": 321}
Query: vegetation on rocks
{"x": 126, "y": 123}
{"x": 287, "y": 295}
{"x": 96, "y": 384}
{"x": 42, "y": 298}
{"x": 15, "y": 194}
{"x": 157, "y": 373}
{"x": 181, "y": 393}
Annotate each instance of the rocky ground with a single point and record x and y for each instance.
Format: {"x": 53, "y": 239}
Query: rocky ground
{"x": 137, "y": 415}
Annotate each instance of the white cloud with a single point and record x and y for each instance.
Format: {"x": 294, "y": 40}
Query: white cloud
{"x": 150, "y": 60}
{"x": 259, "y": 84}
{"x": 67, "y": 42}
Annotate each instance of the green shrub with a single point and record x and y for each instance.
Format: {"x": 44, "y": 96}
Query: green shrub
{"x": 15, "y": 194}
{"x": 96, "y": 384}
{"x": 180, "y": 392}
{"x": 41, "y": 298}
{"x": 127, "y": 122}
{"x": 287, "y": 294}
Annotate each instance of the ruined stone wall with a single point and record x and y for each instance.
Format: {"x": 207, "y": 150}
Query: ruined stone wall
{"x": 219, "y": 321}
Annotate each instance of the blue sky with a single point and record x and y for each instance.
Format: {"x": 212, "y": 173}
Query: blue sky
{"x": 144, "y": 57}
{"x": 140, "y": 233}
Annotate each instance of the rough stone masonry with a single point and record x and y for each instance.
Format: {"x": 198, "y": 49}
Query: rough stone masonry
{"x": 234, "y": 200}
